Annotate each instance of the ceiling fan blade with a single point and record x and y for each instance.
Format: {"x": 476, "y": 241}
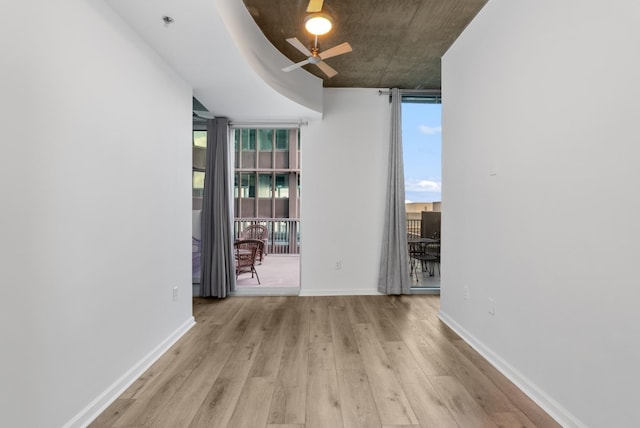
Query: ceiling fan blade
{"x": 296, "y": 65}
{"x": 315, "y": 6}
{"x": 298, "y": 45}
{"x": 336, "y": 50}
{"x": 327, "y": 69}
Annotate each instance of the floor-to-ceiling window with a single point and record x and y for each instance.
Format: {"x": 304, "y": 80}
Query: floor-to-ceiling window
{"x": 422, "y": 146}
{"x": 199, "y": 142}
{"x": 266, "y": 192}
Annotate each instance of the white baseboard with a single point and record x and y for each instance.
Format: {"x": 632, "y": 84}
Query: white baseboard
{"x": 542, "y": 399}
{"x": 266, "y": 291}
{"x": 100, "y": 403}
{"x": 435, "y": 291}
{"x": 358, "y": 292}
{"x": 338, "y": 292}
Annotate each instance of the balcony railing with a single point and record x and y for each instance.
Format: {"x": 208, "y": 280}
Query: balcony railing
{"x": 414, "y": 227}
{"x": 284, "y": 233}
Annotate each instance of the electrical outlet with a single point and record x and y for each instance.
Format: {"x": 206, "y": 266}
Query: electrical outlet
{"x": 466, "y": 292}
{"x": 175, "y": 294}
{"x": 338, "y": 264}
{"x": 492, "y": 306}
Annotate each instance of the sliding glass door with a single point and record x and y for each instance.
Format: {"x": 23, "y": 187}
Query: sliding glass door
{"x": 422, "y": 147}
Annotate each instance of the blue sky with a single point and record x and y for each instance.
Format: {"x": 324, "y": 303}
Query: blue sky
{"x": 422, "y": 146}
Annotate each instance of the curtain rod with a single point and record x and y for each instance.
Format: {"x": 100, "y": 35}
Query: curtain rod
{"x": 268, "y": 124}
{"x": 416, "y": 92}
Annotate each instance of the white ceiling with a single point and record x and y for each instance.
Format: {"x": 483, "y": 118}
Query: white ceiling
{"x": 216, "y": 47}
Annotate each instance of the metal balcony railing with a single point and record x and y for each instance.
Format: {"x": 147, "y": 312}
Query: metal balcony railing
{"x": 414, "y": 227}
{"x": 284, "y": 233}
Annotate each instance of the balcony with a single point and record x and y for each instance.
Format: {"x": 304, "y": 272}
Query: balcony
{"x": 280, "y": 269}
{"x": 279, "y": 274}
{"x": 284, "y": 233}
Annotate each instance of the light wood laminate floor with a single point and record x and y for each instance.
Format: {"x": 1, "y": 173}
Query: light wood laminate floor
{"x": 293, "y": 362}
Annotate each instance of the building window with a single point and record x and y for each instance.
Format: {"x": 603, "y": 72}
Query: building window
{"x": 248, "y": 185}
{"x": 264, "y": 185}
{"x": 265, "y": 140}
{"x": 267, "y": 159}
{"x": 198, "y": 184}
{"x": 200, "y": 138}
{"x": 282, "y": 139}
{"x": 199, "y": 148}
{"x": 282, "y": 186}
{"x": 246, "y": 139}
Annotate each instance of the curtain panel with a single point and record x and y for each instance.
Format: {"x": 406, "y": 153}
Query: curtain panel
{"x": 218, "y": 271}
{"x": 394, "y": 261}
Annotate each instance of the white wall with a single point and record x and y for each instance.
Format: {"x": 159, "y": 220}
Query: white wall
{"x": 541, "y": 201}
{"x": 95, "y": 182}
{"x": 344, "y": 164}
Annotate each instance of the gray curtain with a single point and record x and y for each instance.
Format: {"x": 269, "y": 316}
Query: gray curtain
{"x": 218, "y": 277}
{"x": 394, "y": 263}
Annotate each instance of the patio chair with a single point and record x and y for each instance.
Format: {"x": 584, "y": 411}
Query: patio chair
{"x": 246, "y": 252}
{"x": 424, "y": 253}
{"x": 256, "y": 231}
{"x": 432, "y": 251}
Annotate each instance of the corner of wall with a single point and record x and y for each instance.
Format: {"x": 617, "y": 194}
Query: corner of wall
{"x": 548, "y": 404}
{"x": 109, "y": 395}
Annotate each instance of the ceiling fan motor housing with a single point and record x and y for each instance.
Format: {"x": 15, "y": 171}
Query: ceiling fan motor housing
{"x": 314, "y": 58}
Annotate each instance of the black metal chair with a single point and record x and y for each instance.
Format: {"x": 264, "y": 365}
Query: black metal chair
{"x": 426, "y": 253}
{"x": 432, "y": 251}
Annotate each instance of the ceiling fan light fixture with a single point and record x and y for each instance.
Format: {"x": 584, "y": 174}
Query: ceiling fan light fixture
{"x": 318, "y": 23}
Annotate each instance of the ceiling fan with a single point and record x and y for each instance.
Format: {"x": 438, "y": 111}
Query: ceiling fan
{"x": 315, "y": 6}
{"x": 314, "y": 56}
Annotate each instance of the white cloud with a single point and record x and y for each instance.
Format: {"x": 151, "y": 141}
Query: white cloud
{"x": 429, "y": 130}
{"x": 422, "y": 186}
